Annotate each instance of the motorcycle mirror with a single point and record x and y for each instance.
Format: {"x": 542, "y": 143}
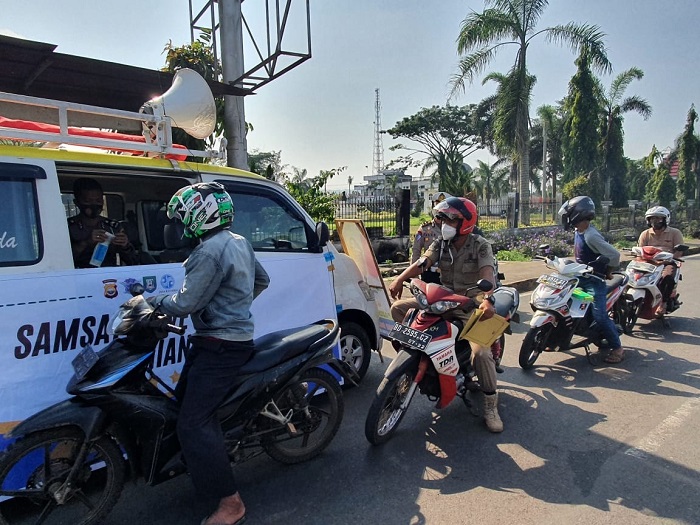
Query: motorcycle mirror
{"x": 484, "y": 285}
{"x": 543, "y": 248}
{"x": 136, "y": 289}
{"x": 680, "y": 248}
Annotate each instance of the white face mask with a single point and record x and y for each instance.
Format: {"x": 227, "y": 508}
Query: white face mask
{"x": 448, "y": 232}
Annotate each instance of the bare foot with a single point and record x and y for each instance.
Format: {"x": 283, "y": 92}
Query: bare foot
{"x": 231, "y": 510}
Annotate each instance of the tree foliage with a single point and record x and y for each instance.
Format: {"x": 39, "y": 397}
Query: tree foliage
{"x": 581, "y": 128}
{"x": 446, "y": 135}
{"x": 514, "y": 22}
{"x": 661, "y": 188}
{"x": 615, "y": 105}
{"x": 312, "y": 196}
{"x": 688, "y": 160}
{"x": 578, "y": 186}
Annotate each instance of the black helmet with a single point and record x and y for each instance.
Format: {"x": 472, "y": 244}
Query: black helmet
{"x": 573, "y": 211}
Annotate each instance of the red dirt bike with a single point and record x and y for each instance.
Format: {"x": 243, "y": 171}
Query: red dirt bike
{"x": 431, "y": 357}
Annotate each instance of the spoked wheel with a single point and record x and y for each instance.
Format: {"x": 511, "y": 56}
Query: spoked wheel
{"x": 390, "y": 405}
{"x": 533, "y": 345}
{"x": 355, "y": 347}
{"x": 34, "y": 472}
{"x": 316, "y": 405}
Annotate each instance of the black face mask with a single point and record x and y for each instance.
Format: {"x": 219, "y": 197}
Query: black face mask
{"x": 90, "y": 210}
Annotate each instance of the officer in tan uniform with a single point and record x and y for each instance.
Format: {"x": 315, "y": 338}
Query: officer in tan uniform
{"x": 463, "y": 258}
{"x": 427, "y": 233}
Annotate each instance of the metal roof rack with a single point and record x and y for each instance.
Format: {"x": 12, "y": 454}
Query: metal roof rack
{"x": 55, "y": 126}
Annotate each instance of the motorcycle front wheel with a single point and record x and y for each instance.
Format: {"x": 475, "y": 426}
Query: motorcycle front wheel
{"x": 386, "y": 413}
{"x": 315, "y": 403}
{"x": 34, "y": 471}
{"x": 533, "y": 345}
{"x": 633, "y": 311}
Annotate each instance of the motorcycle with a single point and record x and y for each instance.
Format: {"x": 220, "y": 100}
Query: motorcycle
{"x": 562, "y": 310}
{"x": 644, "y": 273}
{"x": 431, "y": 356}
{"x": 70, "y": 461}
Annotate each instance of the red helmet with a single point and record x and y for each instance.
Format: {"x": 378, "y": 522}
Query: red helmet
{"x": 458, "y": 208}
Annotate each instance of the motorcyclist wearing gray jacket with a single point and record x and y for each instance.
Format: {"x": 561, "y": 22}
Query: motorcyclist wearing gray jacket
{"x": 222, "y": 277}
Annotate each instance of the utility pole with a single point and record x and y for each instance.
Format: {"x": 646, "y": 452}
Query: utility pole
{"x": 231, "y": 38}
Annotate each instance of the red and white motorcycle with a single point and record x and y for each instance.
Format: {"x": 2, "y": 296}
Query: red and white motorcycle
{"x": 642, "y": 292}
{"x": 430, "y": 357}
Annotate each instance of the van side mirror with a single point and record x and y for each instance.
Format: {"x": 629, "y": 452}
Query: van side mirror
{"x": 323, "y": 233}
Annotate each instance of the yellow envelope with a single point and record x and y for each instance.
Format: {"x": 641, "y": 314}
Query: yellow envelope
{"x": 485, "y": 332}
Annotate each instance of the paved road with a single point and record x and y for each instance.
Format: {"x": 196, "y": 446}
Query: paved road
{"x": 595, "y": 445}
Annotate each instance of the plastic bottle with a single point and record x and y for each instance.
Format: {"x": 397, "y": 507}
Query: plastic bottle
{"x": 100, "y": 251}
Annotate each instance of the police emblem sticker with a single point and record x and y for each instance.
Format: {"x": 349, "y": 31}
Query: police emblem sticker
{"x": 110, "y": 288}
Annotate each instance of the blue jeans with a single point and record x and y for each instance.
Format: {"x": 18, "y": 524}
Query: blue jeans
{"x": 607, "y": 328}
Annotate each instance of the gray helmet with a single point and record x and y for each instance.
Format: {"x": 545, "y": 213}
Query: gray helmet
{"x": 573, "y": 211}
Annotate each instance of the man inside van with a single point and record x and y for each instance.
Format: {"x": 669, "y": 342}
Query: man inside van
{"x": 89, "y": 228}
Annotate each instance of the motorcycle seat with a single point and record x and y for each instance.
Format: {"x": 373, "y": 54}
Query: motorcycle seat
{"x": 503, "y": 301}
{"x": 274, "y": 348}
{"x": 617, "y": 280}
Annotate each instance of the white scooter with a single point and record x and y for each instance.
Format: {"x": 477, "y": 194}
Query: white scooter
{"x": 562, "y": 310}
{"x": 642, "y": 293}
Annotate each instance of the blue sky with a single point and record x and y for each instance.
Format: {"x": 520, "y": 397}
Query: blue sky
{"x": 321, "y": 114}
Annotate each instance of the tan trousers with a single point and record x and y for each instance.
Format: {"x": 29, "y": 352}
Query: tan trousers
{"x": 481, "y": 358}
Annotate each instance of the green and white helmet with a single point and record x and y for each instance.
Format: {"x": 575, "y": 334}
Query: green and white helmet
{"x": 202, "y": 208}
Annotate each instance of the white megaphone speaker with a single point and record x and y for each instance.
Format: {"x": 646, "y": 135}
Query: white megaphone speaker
{"x": 189, "y": 104}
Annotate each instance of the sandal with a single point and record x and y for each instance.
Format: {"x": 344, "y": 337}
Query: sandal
{"x": 239, "y": 521}
{"x": 615, "y": 356}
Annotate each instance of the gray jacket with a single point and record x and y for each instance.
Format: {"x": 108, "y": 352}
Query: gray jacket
{"x": 222, "y": 277}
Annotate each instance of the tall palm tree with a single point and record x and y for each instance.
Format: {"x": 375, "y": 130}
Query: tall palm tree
{"x": 349, "y": 185}
{"x": 614, "y": 106}
{"x": 515, "y": 22}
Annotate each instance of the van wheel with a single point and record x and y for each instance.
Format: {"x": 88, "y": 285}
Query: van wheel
{"x": 355, "y": 348}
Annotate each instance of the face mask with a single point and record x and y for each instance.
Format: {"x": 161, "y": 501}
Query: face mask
{"x": 448, "y": 232}
{"x": 90, "y": 210}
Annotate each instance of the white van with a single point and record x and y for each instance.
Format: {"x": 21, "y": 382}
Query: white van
{"x": 49, "y": 310}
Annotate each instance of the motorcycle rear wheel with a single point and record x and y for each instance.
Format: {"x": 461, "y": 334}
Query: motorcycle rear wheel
{"x": 316, "y": 400}
{"x": 35, "y": 467}
{"x": 533, "y": 345}
{"x": 386, "y": 413}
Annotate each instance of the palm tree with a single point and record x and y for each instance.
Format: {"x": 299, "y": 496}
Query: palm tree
{"x": 614, "y": 106}
{"x": 349, "y": 185}
{"x": 514, "y": 22}
{"x": 492, "y": 181}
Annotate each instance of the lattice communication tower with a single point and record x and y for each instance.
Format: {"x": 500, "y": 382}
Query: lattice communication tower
{"x": 378, "y": 164}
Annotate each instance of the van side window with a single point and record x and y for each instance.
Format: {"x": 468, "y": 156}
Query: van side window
{"x": 20, "y": 231}
{"x": 266, "y": 221}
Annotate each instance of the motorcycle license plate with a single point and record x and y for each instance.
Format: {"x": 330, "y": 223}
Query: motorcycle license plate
{"x": 84, "y": 361}
{"x": 410, "y": 337}
{"x": 552, "y": 281}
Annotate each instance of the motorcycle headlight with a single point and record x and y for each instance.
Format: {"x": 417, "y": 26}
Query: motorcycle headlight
{"x": 441, "y": 307}
{"x": 422, "y": 300}
{"x": 644, "y": 279}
